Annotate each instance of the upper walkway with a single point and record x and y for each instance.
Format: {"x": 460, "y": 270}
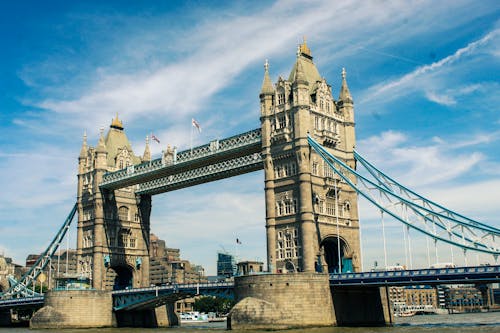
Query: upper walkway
{"x": 216, "y": 160}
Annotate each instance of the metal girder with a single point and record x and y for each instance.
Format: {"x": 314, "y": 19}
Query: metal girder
{"x": 419, "y": 214}
{"x": 220, "y": 170}
{"x": 218, "y": 150}
{"x": 20, "y": 303}
{"x": 21, "y": 288}
{"x": 147, "y": 298}
{"x": 428, "y": 276}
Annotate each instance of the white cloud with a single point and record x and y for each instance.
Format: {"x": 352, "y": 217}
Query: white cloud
{"x": 416, "y": 165}
{"x": 418, "y": 79}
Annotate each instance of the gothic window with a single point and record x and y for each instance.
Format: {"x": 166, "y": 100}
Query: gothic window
{"x": 293, "y": 169}
{"x": 281, "y": 99}
{"x": 280, "y": 234}
{"x": 328, "y": 107}
{"x": 123, "y": 213}
{"x": 282, "y": 121}
{"x": 330, "y": 208}
{"x": 323, "y": 123}
{"x": 131, "y": 242}
{"x": 136, "y": 217}
{"x": 315, "y": 168}
{"x": 316, "y": 122}
{"x": 280, "y": 208}
{"x": 288, "y": 240}
{"x": 321, "y": 105}
{"x": 346, "y": 208}
{"x": 328, "y": 171}
{"x": 321, "y": 206}
{"x": 286, "y": 170}
{"x": 288, "y": 207}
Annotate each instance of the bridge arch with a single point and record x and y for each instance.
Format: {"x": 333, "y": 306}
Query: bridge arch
{"x": 119, "y": 277}
{"x": 330, "y": 254}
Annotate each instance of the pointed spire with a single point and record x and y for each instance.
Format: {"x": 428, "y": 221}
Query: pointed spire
{"x": 101, "y": 146}
{"x": 116, "y": 123}
{"x": 83, "y": 151}
{"x": 147, "y": 151}
{"x": 345, "y": 95}
{"x": 304, "y": 49}
{"x": 300, "y": 76}
{"x": 267, "y": 86}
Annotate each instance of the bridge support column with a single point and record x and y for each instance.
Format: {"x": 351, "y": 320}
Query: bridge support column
{"x": 75, "y": 309}
{"x": 282, "y": 301}
{"x": 362, "y": 306}
{"x": 5, "y": 318}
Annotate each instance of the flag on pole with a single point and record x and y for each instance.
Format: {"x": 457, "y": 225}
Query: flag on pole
{"x": 196, "y": 124}
{"x": 153, "y": 137}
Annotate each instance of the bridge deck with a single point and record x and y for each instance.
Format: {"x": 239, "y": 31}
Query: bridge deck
{"x": 427, "y": 276}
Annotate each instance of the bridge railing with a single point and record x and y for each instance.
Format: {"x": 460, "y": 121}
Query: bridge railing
{"x": 182, "y": 286}
{"x": 424, "y": 272}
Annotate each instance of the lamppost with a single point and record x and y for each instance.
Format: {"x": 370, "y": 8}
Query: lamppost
{"x": 319, "y": 265}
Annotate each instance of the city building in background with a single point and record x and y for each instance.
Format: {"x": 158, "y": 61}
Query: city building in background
{"x": 226, "y": 265}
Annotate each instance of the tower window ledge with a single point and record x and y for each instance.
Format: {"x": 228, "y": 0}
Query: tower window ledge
{"x": 281, "y": 134}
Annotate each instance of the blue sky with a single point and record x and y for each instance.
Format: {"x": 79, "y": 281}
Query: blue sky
{"x": 424, "y": 75}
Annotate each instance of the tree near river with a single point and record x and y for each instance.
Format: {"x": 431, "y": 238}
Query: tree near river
{"x": 213, "y": 304}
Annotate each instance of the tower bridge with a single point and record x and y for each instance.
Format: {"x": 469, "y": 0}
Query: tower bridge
{"x": 305, "y": 146}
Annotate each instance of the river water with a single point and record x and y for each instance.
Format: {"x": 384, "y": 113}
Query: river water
{"x": 457, "y": 323}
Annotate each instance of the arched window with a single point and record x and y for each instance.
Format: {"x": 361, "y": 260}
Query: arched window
{"x": 123, "y": 213}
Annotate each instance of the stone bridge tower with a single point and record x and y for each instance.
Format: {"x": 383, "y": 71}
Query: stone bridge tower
{"x": 311, "y": 214}
{"x": 113, "y": 226}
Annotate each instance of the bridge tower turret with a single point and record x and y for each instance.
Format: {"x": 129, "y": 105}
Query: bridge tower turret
{"x": 311, "y": 215}
{"x": 267, "y": 96}
{"x": 113, "y": 226}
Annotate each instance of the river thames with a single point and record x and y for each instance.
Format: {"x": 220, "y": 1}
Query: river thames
{"x": 457, "y": 323}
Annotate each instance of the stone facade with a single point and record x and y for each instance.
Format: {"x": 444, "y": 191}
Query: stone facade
{"x": 113, "y": 226}
{"x": 281, "y": 301}
{"x": 309, "y": 209}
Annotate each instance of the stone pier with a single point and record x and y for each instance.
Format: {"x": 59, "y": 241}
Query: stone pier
{"x": 75, "y": 309}
{"x": 282, "y": 301}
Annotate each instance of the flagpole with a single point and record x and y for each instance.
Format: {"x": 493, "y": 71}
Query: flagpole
{"x": 191, "y": 137}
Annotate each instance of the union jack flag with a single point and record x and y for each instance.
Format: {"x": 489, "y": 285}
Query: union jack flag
{"x": 153, "y": 137}
{"x": 196, "y": 124}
